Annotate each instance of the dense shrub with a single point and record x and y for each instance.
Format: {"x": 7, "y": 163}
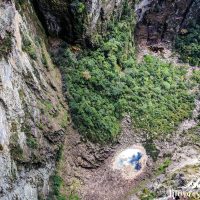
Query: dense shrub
{"x": 188, "y": 45}
{"x": 28, "y": 47}
{"x": 104, "y": 84}
{"x": 92, "y": 79}
{"x": 57, "y": 183}
{"x": 159, "y": 99}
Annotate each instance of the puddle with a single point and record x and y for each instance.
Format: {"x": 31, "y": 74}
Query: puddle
{"x": 130, "y": 161}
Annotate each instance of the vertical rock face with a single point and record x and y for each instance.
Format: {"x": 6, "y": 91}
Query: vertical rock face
{"x": 29, "y": 87}
{"x": 159, "y": 21}
{"x": 76, "y": 20}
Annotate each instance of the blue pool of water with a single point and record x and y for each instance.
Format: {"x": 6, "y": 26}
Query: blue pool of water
{"x": 133, "y": 160}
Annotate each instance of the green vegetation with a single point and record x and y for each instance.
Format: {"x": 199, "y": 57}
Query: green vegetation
{"x": 57, "y": 183}
{"x": 78, "y": 6}
{"x": 151, "y": 149}
{"x": 28, "y": 47}
{"x": 192, "y": 135}
{"x": 5, "y": 45}
{"x": 64, "y": 120}
{"x": 48, "y": 106}
{"x": 188, "y": 45}
{"x": 59, "y": 154}
{"x": 31, "y": 142}
{"x": 106, "y": 83}
{"x": 148, "y": 195}
{"x": 195, "y": 77}
{"x": 15, "y": 150}
{"x": 161, "y": 169}
{"x": 21, "y": 2}
{"x": 74, "y": 197}
{"x": 94, "y": 99}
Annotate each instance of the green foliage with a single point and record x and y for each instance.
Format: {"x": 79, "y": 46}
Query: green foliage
{"x": 64, "y": 120}
{"x": 15, "y": 150}
{"x": 196, "y": 77}
{"x": 94, "y": 85}
{"x": 79, "y": 6}
{"x": 5, "y": 45}
{"x": 21, "y": 2}
{"x": 74, "y": 197}
{"x": 28, "y": 47}
{"x": 147, "y": 195}
{"x": 48, "y": 106}
{"x": 188, "y": 45}
{"x": 57, "y": 183}
{"x": 44, "y": 59}
{"x": 161, "y": 169}
{"x": 31, "y": 142}
{"x": 151, "y": 149}
{"x": 104, "y": 84}
{"x": 59, "y": 154}
{"x": 160, "y": 98}
{"x": 13, "y": 127}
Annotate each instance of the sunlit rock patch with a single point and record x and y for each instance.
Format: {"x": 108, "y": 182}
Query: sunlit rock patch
{"x": 131, "y": 161}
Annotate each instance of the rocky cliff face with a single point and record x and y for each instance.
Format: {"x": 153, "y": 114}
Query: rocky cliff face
{"x": 76, "y": 21}
{"x": 32, "y": 111}
{"x": 159, "y": 21}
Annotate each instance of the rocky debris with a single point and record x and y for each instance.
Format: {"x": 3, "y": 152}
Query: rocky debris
{"x": 92, "y": 165}
{"x": 56, "y": 136}
{"x": 184, "y": 166}
{"x": 179, "y": 180}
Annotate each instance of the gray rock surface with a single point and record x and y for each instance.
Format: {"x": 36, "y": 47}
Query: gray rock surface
{"x": 87, "y": 169}
{"x": 160, "y": 21}
{"x": 27, "y": 159}
{"x": 76, "y": 21}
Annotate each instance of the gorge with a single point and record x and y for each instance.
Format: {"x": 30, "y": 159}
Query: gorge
{"x": 99, "y": 99}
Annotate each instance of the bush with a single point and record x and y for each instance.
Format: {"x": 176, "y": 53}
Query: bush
{"x": 57, "y": 183}
{"x": 104, "y": 84}
{"x": 28, "y": 47}
{"x": 74, "y": 197}
{"x": 148, "y": 195}
{"x": 32, "y": 142}
{"x": 188, "y": 45}
{"x": 162, "y": 168}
